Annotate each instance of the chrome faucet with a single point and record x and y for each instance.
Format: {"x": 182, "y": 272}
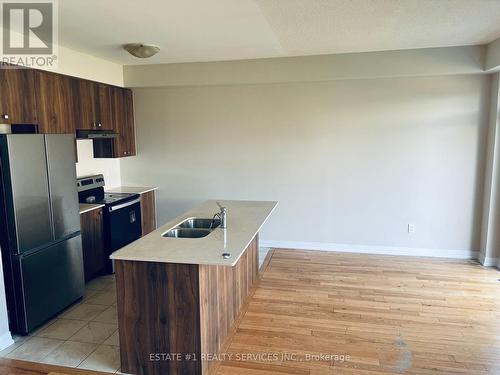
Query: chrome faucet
{"x": 222, "y": 215}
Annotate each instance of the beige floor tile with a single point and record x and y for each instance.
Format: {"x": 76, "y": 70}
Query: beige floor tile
{"x": 69, "y": 354}
{"x": 107, "y": 298}
{"x": 94, "y": 332}
{"x": 42, "y": 327}
{"x": 84, "y": 311}
{"x": 110, "y": 315}
{"x": 114, "y": 339}
{"x": 89, "y": 293}
{"x": 61, "y": 329}
{"x": 18, "y": 341}
{"x": 104, "y": 358}
{"x": 100, "y": 283}
{"x": 111, "y": 288}
{"x": 34, "y": 349}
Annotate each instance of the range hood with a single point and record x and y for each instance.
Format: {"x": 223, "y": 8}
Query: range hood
{"x": 95, "y": 134}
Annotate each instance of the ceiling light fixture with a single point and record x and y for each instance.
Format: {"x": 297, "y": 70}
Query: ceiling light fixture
{"x": 140, "y": 50}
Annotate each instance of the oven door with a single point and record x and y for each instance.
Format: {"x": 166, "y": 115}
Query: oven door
{"x": 123, "y": 224}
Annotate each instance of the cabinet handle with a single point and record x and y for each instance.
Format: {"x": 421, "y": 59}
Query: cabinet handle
{"x": 99, "y": 125}
{"x": 5, "y": 117}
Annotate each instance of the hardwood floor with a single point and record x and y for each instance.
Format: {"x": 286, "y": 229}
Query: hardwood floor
{"x": 390, "y": 315}
{"x": 15, "y": 367}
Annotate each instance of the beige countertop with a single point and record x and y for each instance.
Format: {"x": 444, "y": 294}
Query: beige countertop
{"x": 244, "y": 221}
{"x": 86, "y": 207}
{"x": 132, "y": 189}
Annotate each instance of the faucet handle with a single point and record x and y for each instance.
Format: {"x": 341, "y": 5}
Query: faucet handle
{"x": 222, "y": 208}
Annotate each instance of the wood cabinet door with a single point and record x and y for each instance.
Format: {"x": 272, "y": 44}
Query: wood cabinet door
{"x": 123, "y": 117}
{"x": 94, "y": 105}
{"x": 119, "y": 118}
{"x": 92, "y": 243}
{"x": 104, "y": 106}
{"x": 148, "y": 212}
{"x": 129, "y": 122}
{"x": 85, "y": 98}
{"x": 54, "y": 103}
{"x": 17, "y": 96}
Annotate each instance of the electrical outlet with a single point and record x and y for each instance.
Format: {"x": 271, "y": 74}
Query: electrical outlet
{"x": 411, "y": 228}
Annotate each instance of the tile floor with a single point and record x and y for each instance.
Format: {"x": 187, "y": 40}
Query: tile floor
{"x": 84, "y": 336}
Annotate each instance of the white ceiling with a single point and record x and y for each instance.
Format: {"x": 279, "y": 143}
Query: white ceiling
{"x": 210, "y": 30}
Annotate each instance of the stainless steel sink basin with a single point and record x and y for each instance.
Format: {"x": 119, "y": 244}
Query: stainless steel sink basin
{"x": 195, "y": 227}
{"x": 187, "y": 233}
{"x": 199, "y": 223}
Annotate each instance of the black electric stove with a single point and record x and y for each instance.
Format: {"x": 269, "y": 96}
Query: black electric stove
{"x": 122, "y": 214}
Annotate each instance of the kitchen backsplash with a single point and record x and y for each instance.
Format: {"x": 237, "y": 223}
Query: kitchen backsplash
{"x": 88, "y": 165}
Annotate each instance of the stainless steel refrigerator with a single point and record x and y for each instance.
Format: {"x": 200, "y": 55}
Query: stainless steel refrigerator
{"x": 39, "y": 227}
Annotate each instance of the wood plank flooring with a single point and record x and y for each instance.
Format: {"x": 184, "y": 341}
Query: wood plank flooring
{"x": 390, "y": 315}
{"x": 377, "y": 314}
{"x": 15, "y": 367}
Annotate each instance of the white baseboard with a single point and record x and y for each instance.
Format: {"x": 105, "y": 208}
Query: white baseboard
{"x": 6, "y": 340}
{"x": 364, "y": 249}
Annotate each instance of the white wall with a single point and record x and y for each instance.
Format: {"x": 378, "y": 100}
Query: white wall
{"x": 490, "y": 229}
{"x": 78, "y": 64}
{"x": 351, "y": 162}
{"x": 386, "y": 64}
{"x": 492, "y": 62}
{"x": 88, "y": 165}
{"x": 5, "y": 336}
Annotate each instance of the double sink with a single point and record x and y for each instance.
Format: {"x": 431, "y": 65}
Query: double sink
{"x": 193, "y": 228}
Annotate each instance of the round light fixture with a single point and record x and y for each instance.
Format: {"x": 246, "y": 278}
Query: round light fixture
{"x": 140, "y": 50}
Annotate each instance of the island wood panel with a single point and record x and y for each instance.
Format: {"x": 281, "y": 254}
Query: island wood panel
{"x": 158, "y": 312}
{"x": 223, "y": 291}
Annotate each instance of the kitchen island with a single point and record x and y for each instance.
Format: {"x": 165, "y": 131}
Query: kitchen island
{"x": 178, "y": 298}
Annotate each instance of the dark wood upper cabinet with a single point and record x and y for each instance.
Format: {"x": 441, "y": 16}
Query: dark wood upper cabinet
{"x": 63, "y": 104}
{"x": 123, "y": 113}
{"x": 85, "y": 99}
{"x": 93, "y": 104}
{"x": 130, "y": 123}
{"x": 55, "y": 103}
{"x": 17, "y": 96}
{"x": 104, "y": 106}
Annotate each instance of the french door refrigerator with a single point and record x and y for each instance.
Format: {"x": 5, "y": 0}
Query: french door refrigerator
{"x": 39, "y": 227}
